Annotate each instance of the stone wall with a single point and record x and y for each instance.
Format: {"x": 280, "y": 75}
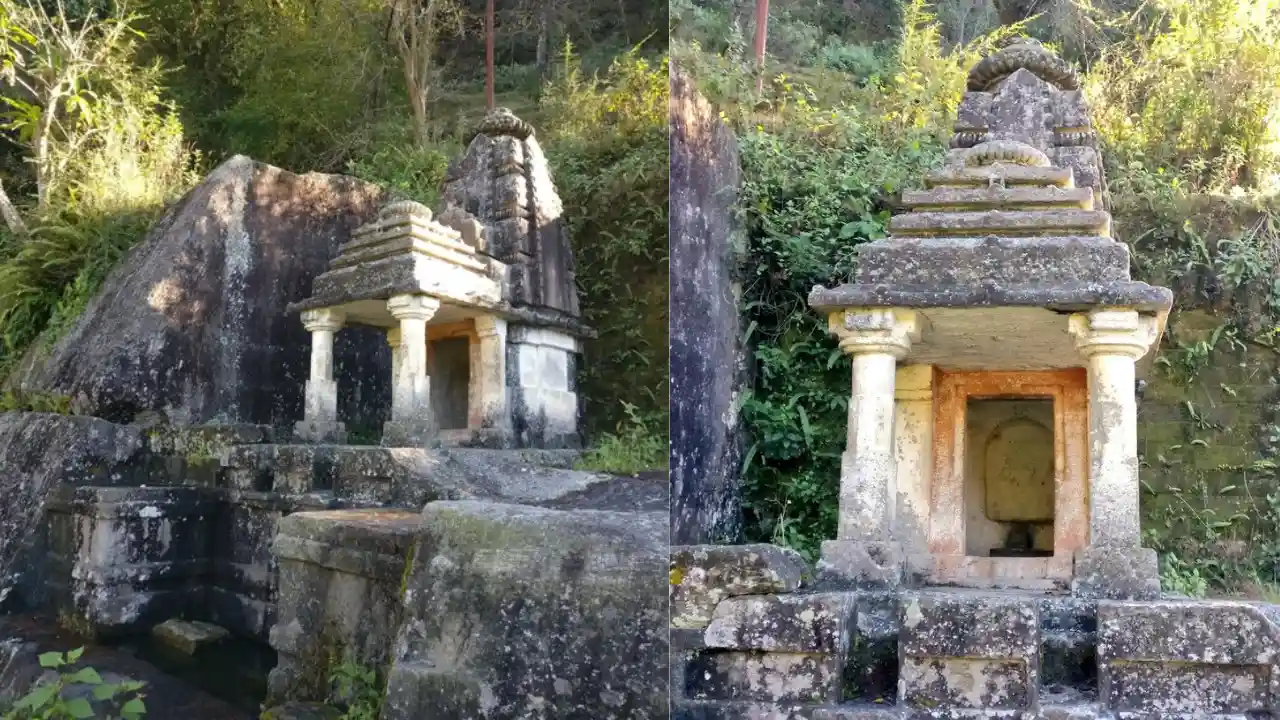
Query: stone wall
{"x": 754, "y": 638}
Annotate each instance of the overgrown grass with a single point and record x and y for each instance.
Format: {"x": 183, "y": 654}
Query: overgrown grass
{"x": 638, "y": 444}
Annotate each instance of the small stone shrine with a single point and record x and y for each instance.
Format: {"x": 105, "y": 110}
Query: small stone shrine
{"x": 988, "y": 560}
{"x": 479, "y": 307}
{"x": 996, "y": 336}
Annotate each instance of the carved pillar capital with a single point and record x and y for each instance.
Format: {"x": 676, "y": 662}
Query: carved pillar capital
{"x": 1113, "y": 331}
{"x": 413, "y": 307}
{"x": 888, "y": 331}
{"x": 323, "y": 319}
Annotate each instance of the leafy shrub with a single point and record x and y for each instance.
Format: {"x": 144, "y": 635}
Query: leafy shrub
{"x": 48, "y": 700}
{"x": 1195, "y": 91}
{"x": 861, "y": 61}
{"x": 609, "y": 155}
{"x": 639, "y": 444}
{"x": 409, "y": 171}
{"x": 356, "y": 688}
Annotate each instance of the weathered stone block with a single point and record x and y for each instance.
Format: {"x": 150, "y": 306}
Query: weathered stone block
{"x": 703, "y": 575}
{"x": 1118, "y": 573}
{"x": 340, "y": 582}
{"x": 738, "y": 710}
{"x": 778, "y": 677}
{"x": 818, "y": 623}
{"x": 1188, "y": 658}
{"x": 969, "y": 651}
{"x": 38, "y": 453}
{"x": 125, "y": 558}
{"x": 513, "y": 610}
{"x": 188, "y": 636}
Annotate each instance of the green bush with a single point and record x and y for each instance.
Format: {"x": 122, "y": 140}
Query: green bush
{"x": 609, "y": 157}
{"x": 48, "y": 701}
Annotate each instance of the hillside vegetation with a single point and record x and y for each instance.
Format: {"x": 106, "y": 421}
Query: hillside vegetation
{"x": 112, "y": 110}
{"x": 858, "y": 103}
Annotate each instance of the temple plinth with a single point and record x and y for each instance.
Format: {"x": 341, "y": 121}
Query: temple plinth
{"x": 996, "y": 338}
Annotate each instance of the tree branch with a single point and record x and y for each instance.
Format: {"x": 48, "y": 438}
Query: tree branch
{"x": 11, "y": 216}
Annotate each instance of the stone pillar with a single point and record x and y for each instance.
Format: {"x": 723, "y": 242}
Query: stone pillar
{"x": 412, "y": 423}
{"x": 489, "y": 408}
{"x": 865, "y": 551}
{"x": 320, "y": 419}
{"x": 1114, "y": 564}
{"x": 397, "y": 352}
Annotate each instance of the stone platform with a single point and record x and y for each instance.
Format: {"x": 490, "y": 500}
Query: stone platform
{"x": 752, "y": 641}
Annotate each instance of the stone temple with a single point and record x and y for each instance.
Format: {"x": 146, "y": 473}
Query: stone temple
{"x": 203, "y": 491}
{"x": 479, "y": 307}
{"x": 988, "y": 559}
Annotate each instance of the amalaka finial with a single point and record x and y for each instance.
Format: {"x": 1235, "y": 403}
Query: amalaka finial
{"x": 1023, "y": 53}
{"x": 501, "y": 121}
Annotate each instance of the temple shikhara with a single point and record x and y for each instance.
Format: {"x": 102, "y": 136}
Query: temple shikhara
{"x": 988, "y": 558}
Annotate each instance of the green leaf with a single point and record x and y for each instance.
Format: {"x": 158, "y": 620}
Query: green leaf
{"x": 74, "y": 655}
{"x": 38, "y": 698}
{"x": 80, "y": 709}
{"x": 88, "y": 676}
{"x": 105, "y": 692}
{"x": 133, "y": 708}
{"x": 52, "y": 660}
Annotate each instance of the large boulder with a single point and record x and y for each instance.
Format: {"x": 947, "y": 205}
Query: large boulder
{"x": 515, "y": 612}
{"x": 707, "y": 356}
{"x": 38, "y": 453}
{"x": 192, "y": 324}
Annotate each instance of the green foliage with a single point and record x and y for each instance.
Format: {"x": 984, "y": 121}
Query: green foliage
{"x": 19, "y": 401}
{"x": 1195, "y": 91}
{"x": 357, "y": 689}
{"x": 49, "y": 701}
{"x": 609, "y": 156}
{"x": 409, "y": 171}
{"x": 639, "y": 444}
{"x": 49, "y": 278}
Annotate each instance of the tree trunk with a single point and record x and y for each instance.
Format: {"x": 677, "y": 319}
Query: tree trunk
{"x": 488, "y": 54}
{"x": 544, "y": 25}
{"x": 622, "y": 17}
{"x": 10, "y": 215}
{"x": 762, "y": 20}
{"x": 44, "y": 166}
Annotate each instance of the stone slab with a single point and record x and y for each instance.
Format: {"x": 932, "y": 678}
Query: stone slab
{"x": 703, "y": 575}
{"x": 969, "y": 651}
{"x": 1188, "y": 657}
{"x": 774, "y": 677}
{"x": 188, "y": 636}
{"x": 947, "y": 261}
{"x": 804, "y": 623}
{"x": 513, "y": 610}
{"x": 1065, "y": 297}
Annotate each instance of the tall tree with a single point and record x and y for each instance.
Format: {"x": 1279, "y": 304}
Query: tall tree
{"x": 417, "y": 28}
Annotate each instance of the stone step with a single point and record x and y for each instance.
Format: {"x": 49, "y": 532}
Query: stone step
{"x": 1009, "y": 223}
{"x": 1000, "y": 175}
{"x": 739, "y": 710}
{"x": 1011, "y": 198}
